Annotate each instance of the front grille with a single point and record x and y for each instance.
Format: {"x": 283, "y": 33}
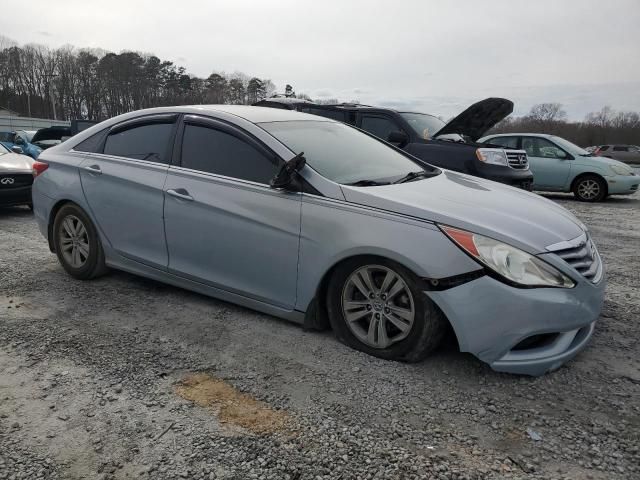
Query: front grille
{"x": 15, "y": 180}
{"x": 581, "y": 254}
{"x": 517, "y": 159}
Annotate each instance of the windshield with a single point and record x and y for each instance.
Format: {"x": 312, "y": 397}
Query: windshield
{"x": 29, "y": 134}
{"x": 342, "y": 153}
{"x": 571, "y": 147}
{"x": 3, "y": 149}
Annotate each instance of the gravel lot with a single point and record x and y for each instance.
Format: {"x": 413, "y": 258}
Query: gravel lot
{"x": 96, "y": 381}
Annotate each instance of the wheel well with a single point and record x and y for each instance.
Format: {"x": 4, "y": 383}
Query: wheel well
{"x": 52, "y": 218}
{"x": 589, "y": 174}
{"x": 317, "y": 316}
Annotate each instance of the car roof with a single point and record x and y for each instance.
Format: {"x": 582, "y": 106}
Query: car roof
{"x": 262, "y": 114}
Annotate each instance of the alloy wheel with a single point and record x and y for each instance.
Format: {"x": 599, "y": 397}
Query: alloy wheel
{"x": 378, "y": 306}
{"x": 74, "y": 241}
{"x": 589, "y": 189}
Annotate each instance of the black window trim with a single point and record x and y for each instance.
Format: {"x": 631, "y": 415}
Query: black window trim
{"x": 226, "y": 127}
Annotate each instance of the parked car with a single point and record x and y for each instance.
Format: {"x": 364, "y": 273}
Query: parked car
{"x": 623, "y": 153}
{"x": 449, "y": 145}
{"x": 22, "y": 139}
{"x": 51, "y": 136}
{"x": 15, "y": 178}
{"x": 560, "y": 166}
{"x": 312, "y": 220}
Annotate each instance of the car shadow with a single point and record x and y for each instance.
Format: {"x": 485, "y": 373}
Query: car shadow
{"x": 15, "y": 212}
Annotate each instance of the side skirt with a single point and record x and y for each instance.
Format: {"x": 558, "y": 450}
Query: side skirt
{"x": 136, "y": 268}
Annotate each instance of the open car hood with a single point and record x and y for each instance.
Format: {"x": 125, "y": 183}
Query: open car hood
{"x": 478, "y": 118}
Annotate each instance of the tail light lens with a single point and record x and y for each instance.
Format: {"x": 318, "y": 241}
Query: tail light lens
{"x": 38, "y": 167}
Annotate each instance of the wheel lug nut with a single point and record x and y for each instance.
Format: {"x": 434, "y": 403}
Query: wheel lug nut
{"x": 377, "y": 315}
{"x": 383, "y": 296}
{"x": 387, "y": 309}
{"x": 371, "y": 295}
{"x": 368, "y": 307}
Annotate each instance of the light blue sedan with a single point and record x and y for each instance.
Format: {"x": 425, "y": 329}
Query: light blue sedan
{"x": 561, "y": 166}
{"x": 317, "y": 222}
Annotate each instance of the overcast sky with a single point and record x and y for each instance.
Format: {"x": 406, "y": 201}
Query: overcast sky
{"x": 432, "y": 56}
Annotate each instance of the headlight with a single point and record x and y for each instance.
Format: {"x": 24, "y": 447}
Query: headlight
{"x": 621, "y": 169}
{"x": 509, "y": 262}
{"x": 494, "y": 156}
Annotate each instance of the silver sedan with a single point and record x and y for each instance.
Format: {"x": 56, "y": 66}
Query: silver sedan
{"x": 317, "y": 222}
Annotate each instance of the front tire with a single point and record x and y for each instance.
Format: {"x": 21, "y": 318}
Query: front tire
{"x": 590, "y": 188}
{"x": 376, "y": 306}
{"x": 77, "y": 244}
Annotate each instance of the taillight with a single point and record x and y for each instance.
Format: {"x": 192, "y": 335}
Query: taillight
{"x": 38, "y": 167}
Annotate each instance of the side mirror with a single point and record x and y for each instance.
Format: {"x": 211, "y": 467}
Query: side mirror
{"x": 17, "y": 149}
{"x": 398, "y": 137}
{"x": 562, "y": 155}
{"x": 287, "y": 173}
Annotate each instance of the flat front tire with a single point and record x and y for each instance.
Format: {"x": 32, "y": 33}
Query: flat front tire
{"x": 376, "y": 306}
{"x": 77, "y": 244}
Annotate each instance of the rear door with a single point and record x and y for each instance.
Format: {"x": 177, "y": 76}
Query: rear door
{"x": 123, "y": 184}
{"x": 224, "y": 225}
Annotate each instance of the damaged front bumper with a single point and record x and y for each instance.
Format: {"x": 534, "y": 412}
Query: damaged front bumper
{"x": 527, "y": 331}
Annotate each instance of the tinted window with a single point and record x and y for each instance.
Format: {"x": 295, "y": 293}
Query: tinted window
{"x": 333, "y": 114}
{"x": 620, "y": 149}
{"x": 215, "y": 151}
{"x": 508, "y": 142}
{"x": 145, "y": 142}
{"x": 426, "y": 126}
{"x": 91, "y": 144}
{"x": 340, "y": 152}
{"x": 379, "y": 126}
{"x": 540, "y": 147}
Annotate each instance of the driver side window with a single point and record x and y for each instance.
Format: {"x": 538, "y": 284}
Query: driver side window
{"x": 379, "y": 126}
{"x": 542, "y": 148}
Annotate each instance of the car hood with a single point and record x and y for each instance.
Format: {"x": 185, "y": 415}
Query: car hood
{"x": 14, "y": 162}
{"x": 604, "y": 161}
{"x": 519, "y": 218}
{"x": 478, "y": 118}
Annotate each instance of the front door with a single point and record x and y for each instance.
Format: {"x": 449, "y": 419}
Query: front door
{"x": 549, "y": 163}
{"x": 224, "y": 225}
{"x": 123, "y": 186}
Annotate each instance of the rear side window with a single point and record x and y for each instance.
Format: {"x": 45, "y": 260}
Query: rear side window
{"x": 91, "y": 144}
{"x": 620, "y": 149}
{"x": 214, "y": 151}
{"x": 379, "y": 126}
{"x": 141, "y": 142}
{"x": 507, "y": 142}
{"x": 333, "y": 114}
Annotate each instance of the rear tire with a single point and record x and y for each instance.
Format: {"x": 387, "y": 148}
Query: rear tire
{"x": 77, "y": 244}
{"x": 393, "y": 319}
{"x": 590, "y": 188}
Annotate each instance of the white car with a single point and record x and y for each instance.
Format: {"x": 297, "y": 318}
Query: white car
{"x": 15, "y": 178}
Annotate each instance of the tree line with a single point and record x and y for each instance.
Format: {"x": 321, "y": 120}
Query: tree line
{"x": 605, "y": 126}
{"x": 67, "y": 83}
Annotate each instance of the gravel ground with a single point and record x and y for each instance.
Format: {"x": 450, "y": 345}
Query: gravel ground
{"x": 92, "y": 385}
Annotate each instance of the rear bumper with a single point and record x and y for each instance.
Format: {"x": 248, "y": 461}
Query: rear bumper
{"x": 492, "y": 319}
{"x": 15, "y": 196}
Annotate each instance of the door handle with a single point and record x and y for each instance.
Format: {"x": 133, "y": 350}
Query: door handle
{"x": 180, "y": 193}
{"x": 95, "y": 169}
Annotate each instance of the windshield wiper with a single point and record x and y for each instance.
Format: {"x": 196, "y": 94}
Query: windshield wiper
{"x": 366, "y": 183}
{"x": 413, "y": 175}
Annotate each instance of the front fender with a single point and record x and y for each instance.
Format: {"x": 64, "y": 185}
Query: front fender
{"x": 332, "y": 231}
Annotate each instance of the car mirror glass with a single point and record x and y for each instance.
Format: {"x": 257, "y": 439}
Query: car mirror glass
{"x": 16, "y": 149}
